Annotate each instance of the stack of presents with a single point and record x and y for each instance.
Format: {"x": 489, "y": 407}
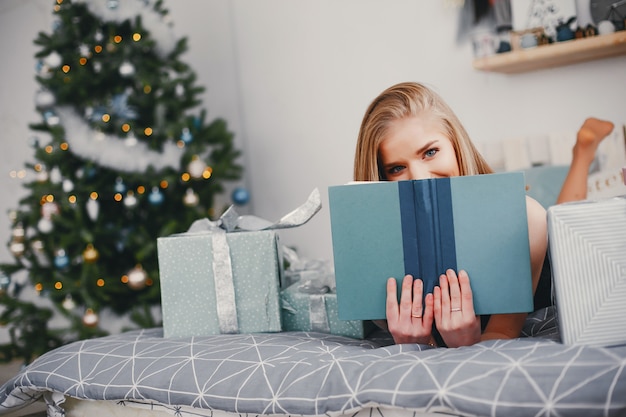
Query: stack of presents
{"x": 234, "y": 276}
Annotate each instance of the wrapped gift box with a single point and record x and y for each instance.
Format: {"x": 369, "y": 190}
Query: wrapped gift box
{"x": 224, "y": 276}
{"x": 311, "y": 308}
{"x": 588, "y": 256}
{"x": 191, "y": 292}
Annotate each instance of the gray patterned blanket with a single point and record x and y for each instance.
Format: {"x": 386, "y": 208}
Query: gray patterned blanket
{"x": 313, "y": 374}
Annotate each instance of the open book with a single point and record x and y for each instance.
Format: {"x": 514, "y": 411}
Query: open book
{"x": 423, "y": 227}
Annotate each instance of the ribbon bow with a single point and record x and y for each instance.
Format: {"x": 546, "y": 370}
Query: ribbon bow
{"x": 230, "y": 222}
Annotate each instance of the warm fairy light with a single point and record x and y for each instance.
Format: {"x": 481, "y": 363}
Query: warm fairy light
{"x": 206, "y": 174}
{"x": 49, "y": 149}
{"x": 147, "y": 89}
{"x": 56, "y": 8}
{"x": 64, "y": 146}
{"x": 117, "y": 197}
{"x": 141, "y": 189}
{"x": 21, "y": 173}
{"x": 65, "y": 68}
{"x": 82, "y": 61}
{"x": 106, "y": 117}
{"x": 164, "y": 184}
{"x": 124, "y": 279}
{"x": 42, "y": 201}
{"x": 147, "y": 131}
{"x": 38, "y": 167}
{"x": 180, "y": 144}
{"x": 49, "y": 198}
{"x": 72, "y": 199}
{"x": 125, "y": 127}
{"x": 100, "y": 282}
{"x": 97, "y": 48}
{"x": 117, "y": 39}
{"x": 185, "y": 177}
{"x": 149, "y": 282}
{"x": 59, "y": 1}
{"x": 93, "y": 195}
{"x": 38, "y": 287}
{"x": 58, "y": 285}
{"x": 136, "y": 37}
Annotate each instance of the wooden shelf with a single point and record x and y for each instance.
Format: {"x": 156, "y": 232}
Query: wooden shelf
{"x": 555, "y": 54}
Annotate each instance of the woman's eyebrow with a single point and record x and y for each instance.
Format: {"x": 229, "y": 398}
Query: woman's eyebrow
{"x": 426, "y": 146}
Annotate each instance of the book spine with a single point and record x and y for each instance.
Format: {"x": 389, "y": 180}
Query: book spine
{"x": 426, "y": 233}
{"x": 446, "y": 242}
{"x": 427, "y": 229}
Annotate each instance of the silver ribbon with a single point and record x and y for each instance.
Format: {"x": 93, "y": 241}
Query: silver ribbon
{"x": 318, "y": 317}
{"x": 230, "y": 222}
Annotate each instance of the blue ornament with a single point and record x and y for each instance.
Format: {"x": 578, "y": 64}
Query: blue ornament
{"x": 5, "y": 281}
{"x": 119, "y": 107}
{"x": 61, "y": 260}
{"x": 240, "y": 196}
{"x": 119, "y": 186}
{"x": 186, "y": 136}
{"x": 156, "y": 197}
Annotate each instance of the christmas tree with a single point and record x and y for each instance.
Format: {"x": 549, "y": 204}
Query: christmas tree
{"x": 123, "y": 156}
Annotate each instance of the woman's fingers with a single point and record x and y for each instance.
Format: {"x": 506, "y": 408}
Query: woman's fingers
{"x": 455, "y": 291}
{"x": 467, "y": 300}
{"x": 392, "y": 300}
{"x": 418, "y": 291}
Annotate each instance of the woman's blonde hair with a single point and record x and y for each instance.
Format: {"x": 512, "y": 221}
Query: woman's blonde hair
{"x": 408, "y": 100}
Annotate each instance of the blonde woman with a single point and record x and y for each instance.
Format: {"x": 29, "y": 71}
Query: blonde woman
{"x": 409, "y": 132}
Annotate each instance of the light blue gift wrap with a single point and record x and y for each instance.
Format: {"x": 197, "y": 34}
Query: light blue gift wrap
{"x": 224, "y": 276}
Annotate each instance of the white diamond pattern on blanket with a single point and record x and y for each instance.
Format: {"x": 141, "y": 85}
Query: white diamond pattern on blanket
{"x": 316, "y": 374}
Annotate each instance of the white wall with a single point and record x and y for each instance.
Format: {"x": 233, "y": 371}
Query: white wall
{"x": 293, "y": 79}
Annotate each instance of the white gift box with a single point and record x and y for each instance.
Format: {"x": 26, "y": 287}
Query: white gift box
{"x": 588, "y": 256}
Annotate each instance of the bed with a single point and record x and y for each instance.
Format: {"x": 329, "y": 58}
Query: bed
{"x": 142, "y": 374}
{"x": 313, "y": 374}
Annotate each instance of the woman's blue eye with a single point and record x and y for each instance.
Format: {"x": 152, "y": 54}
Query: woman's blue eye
{"x": 395, "y": 170}
{"x": 430, "y": 153}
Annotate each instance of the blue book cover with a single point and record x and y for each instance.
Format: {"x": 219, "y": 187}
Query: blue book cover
{"x": 423, "y": 227}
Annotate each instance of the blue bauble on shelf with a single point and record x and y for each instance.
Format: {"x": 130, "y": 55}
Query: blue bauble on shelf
{"x": 240, "y": 196}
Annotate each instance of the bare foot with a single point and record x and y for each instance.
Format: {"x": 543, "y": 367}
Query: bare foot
{"x": 589, "y": 136}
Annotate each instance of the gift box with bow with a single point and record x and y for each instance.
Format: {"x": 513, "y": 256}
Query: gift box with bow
{"x": 309, "y": 303}
{"x": 224, "y": 276}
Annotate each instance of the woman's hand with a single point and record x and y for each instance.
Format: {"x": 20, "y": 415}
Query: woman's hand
{"x": 454, "y": 310}
{"x": 409, "y": 322}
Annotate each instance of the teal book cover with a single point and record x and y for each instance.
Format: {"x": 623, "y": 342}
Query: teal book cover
{"x": 423, "y": 227}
